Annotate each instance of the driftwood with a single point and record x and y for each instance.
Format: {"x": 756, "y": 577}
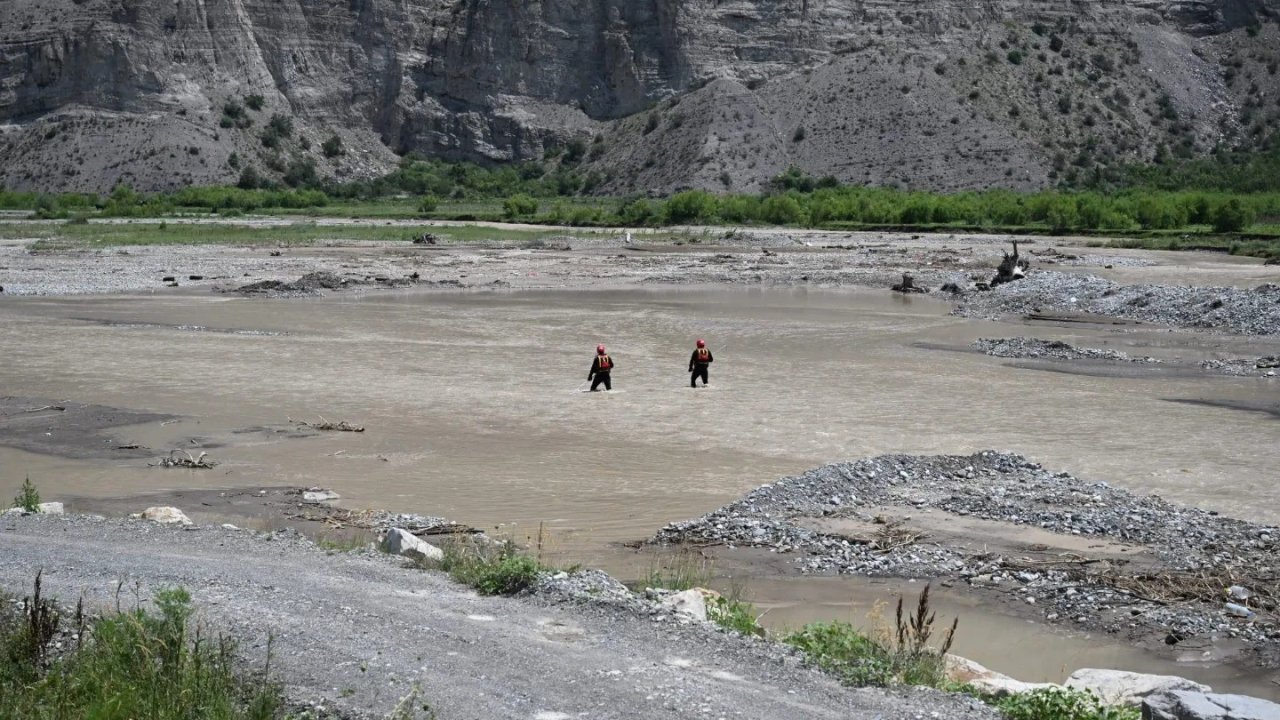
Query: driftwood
{"x": 1012, "y": 267}
{"x": 184, "y": 459}
{"x": 341, "y": 426}
{"x": 890, "y": 537}
{"x": 908, "y": 285}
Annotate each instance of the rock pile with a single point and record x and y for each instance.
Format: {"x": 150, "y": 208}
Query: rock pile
{"x": 1264, "y": 366}
{"x": 1194, "y": 550}
{"x": 1021, "y": 347}
{"x": 1254, "y": 311}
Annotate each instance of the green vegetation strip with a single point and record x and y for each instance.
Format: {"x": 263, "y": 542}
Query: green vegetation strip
{"x": 133, "y": 664}
{"x": 1233, "y": 195}
{"x": 56, "y": 236}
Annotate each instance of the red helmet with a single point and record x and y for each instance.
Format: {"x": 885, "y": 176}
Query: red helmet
{"x": 599, "y": 349}
{"x": 702, "y": 343}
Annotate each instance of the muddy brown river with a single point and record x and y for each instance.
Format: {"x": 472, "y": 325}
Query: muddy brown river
{"x": 475, "y": 410}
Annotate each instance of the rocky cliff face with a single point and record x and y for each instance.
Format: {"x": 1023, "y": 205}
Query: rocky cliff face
{"x": 674, "y": 93}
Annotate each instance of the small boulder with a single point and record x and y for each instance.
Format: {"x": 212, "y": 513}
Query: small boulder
{"x": 406, "y": 544}
{"x": 963, "y": 670}
{"x": 164, "y": 516}
{"x": 318, "y": 495}
{"x": 1121, "y": 687}
{"x": 690, "y": 603}
{"x": 51, "y": 508}
{"x": 1189, "y": 705}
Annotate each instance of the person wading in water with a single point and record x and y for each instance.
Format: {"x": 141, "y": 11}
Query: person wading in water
{"x": 600, "y": 369}
{"x": 698, "y": 363}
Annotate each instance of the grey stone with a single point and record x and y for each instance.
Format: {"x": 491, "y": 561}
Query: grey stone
{"x": 1188, "y": 705}
{"x": 1121, "y": 687}
{"x": 406, "y": 544}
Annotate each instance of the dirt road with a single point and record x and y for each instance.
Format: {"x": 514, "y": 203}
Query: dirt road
{"x": 357, "y": 632}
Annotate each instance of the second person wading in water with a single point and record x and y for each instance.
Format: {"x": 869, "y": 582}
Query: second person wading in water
{"x": 698, "y": 363}
{"x": 600, "y": 369}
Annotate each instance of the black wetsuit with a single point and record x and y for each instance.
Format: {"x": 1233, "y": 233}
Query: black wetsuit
{"x": 600, "y": 369}
{"x": 698, "y": 363}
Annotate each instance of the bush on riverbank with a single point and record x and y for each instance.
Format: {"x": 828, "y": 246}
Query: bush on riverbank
{"x": 1059, "y": 704}
{"x": 491, "y": 569}
{"x": 901, "y": 655}
{"x": 134, "y": 664}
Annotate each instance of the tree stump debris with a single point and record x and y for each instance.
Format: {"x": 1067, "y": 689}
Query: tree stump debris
{"x": 1012, "y": 267}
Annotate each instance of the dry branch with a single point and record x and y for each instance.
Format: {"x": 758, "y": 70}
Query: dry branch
{"x": 184, "y": 459}
{"x": 342, "y": 425}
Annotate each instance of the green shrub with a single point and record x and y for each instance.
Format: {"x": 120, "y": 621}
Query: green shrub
{"x": 428, "y": 204}
{"x": 332, "y": 147}
{"x": 1060, "y": 704}
{"x": 28, "y": 498}
{"x": 690, "y": 206}
{"x": 1231, "y": 216}
{"x": 249, "y": 178}
{"x": 733, "y": 614}
{"x": 491, "y": 570}
{"x": 519, "y": 205}
{"x": 255, "y": 102}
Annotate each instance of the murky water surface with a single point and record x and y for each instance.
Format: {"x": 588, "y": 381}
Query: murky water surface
{"x": 475, "y": 407}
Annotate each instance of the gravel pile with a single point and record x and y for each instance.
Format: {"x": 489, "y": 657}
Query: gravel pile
{"x": 1021, "y": 347}
{"x": 1264, "y": 366}
{"x": 1254, "y": 312}
{"x": 1011, "y": 489}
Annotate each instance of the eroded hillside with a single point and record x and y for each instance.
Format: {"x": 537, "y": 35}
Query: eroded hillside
{"x": 647, "y": 96}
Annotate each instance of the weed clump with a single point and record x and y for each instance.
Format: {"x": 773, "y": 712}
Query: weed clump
{"x": 902, "y": 655}
{"x": 1060, "y": 704}
{"x": 134, "y": 664}
{"x": 490, "y": 569}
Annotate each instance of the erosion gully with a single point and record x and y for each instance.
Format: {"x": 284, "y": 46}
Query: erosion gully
{"x": 475, "y": 410}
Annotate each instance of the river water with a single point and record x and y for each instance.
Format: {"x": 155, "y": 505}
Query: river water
{"x": 475, "y": 410}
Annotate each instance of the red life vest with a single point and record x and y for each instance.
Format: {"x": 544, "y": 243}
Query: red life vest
{"x": 704, "y": 356}
{"x": 604, "y": 364}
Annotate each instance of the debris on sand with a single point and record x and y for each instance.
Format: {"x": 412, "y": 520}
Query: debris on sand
{"x": 908, "y": 285}
{"x": 309, "y": 283}
{"x": 1244, "y": 367}
{"x": 313, "y": 283}
{"x": 340, "y": 426}
{"x": 1021, "y": 347}
{"x": 183, "y": 459}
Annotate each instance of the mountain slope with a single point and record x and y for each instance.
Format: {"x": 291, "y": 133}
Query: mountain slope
{"x": 698, "y": 93}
